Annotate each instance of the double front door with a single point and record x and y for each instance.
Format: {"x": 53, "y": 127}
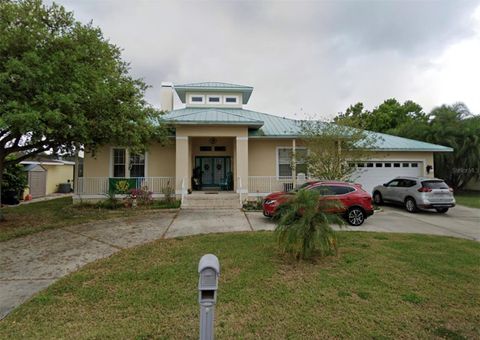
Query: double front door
{"x": 213, "y": 171}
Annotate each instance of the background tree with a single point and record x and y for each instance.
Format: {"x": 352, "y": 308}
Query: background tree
{"x": 456, "y": 127}
{"x": 449, "y": 125}
{"x": 385, "y": 118}
{"x": 332, "y": 148}
{"x": 62, "y": 85}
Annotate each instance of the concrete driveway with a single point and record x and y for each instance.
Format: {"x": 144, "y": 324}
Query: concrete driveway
{"x": 31, "y": 263}
{"x": 460, "y": 222}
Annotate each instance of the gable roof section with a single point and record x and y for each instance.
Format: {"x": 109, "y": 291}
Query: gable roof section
{"x": 182, "y": 89}
{"x": 269, "y": 126}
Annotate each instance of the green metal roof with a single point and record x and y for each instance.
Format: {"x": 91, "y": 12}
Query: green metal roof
{"x": 264, "y": 125}
{"x": 211, "y": 116}
{"x": 386, "y": 142}
{"x": 213, "y": 87}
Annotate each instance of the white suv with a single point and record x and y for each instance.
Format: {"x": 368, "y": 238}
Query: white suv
{"x": 415, "y": 193}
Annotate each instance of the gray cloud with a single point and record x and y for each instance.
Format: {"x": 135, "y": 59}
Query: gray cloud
{"x": 301, "y": 57}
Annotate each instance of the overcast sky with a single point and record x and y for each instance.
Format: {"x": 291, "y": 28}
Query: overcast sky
{"x": 302, "y": 58}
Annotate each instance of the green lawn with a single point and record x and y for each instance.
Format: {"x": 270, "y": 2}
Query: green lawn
{"x": 380, "y": 286}
{"x": 468, "y": 198}
{"x": 34, "y": 217}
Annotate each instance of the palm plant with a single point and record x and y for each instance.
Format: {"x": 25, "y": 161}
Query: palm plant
{"x": 304, "y": 226}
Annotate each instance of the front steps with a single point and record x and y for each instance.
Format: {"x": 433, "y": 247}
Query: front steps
{"x": 206, "y": 200}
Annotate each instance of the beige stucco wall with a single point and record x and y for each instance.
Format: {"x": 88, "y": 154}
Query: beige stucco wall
{"x": 57, "y": 174}
{"x": 98, "y": 164}
{"x": 249, "y": 156}
{"x": 263, "y": 156}
{"x": 211, "y": 131}
{"x": 160, "y": 161}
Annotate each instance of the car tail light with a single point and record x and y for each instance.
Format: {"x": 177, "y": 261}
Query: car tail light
{"x": 424, "y": 189}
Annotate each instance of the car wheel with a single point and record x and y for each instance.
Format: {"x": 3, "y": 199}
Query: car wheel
{"x": 442, "y": 210}
{"x": 377, "y": 198}
{"x": 355, "y": 216}
{"x": 410, "y": 205}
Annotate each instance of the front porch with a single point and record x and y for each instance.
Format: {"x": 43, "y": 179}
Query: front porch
{"x": 256, "y": 186}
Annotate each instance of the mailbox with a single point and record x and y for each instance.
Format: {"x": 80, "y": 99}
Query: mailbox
{"x": 208, "y": 270}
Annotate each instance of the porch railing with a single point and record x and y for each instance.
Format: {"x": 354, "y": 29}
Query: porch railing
{"x": 100, "y": 185}
{"x": 261, "y": 185}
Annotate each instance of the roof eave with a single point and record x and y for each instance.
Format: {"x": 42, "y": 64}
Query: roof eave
{"x": 192, "y": 122}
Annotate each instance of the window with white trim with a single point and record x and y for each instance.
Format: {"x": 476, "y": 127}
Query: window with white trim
{"x": 285, "y": 161}
{"x": 137, "y": 165}
{"x": 214, "y": 99}
{"x": 119, "y": 162}
{"x": 197, "y": 99}
{"x": 231, "y": 99}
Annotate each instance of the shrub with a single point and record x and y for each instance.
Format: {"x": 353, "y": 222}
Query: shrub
{"x": 303, "y": 226}
{"x": 111, "y": 202}
{"x": 253, "y": 205}
{"x": 143, "y": 196}
{"x": 169, "y": 192}
{"x": 13, "y": 183}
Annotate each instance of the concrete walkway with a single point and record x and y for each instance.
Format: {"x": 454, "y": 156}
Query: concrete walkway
{"x": 31, "y": 263}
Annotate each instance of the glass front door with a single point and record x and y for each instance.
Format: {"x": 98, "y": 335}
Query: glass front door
{"x": 214, "y": 171}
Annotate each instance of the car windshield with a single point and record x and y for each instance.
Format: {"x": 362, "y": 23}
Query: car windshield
{"x": 303, "y": 186}
{"x": 435, "y": 184}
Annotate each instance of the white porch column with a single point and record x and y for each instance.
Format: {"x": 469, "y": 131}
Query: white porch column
{"x": 241, "y": 161}
{"x": 182, "y": 155}
{"x": 294, "y": 163}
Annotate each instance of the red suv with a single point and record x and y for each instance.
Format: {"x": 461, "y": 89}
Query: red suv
{"x": 355, "y": 204}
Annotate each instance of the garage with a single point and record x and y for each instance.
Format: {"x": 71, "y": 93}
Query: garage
{"x": 37, "y": 180}
{"x": 372, "y": 173}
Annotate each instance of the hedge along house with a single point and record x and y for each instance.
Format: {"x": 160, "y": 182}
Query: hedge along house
{"x": 221, "y": 146}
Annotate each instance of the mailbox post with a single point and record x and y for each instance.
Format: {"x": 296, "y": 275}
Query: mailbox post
{"x": 208, "y": 270}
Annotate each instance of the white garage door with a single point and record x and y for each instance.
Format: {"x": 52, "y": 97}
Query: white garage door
{"x": 371, "y": 174}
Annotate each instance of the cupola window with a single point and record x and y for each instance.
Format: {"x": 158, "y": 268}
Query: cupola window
{"x": 214, "y": 99}
{"x": 197, "y": 99}
{"x": 231, "y": 100}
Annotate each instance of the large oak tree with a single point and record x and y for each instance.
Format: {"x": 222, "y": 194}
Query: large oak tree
{"x": 63, "y": 85}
